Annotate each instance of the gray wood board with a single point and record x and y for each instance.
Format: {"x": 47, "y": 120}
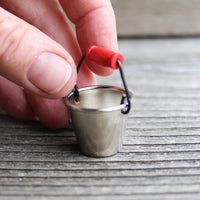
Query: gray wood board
{"x": 160, "y": 158}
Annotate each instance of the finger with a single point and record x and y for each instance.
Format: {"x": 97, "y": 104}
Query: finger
{"x": 52, "y": 112}
{"x": 13, "y": 100}
{"x": 50, "y": 19}
{"x": 95, "y": 24}
{"x": 32, "y": 60}
{"x": 22, "y": 105}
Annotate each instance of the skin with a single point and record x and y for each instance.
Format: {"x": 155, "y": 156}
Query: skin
{"x": 29, "y": 28}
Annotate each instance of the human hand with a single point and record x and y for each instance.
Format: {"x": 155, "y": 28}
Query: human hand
{"x": 39, "y": 53}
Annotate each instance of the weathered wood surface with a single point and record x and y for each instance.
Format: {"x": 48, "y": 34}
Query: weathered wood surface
{"x": 160, "y": 158}
{"x": 157, "y": 17}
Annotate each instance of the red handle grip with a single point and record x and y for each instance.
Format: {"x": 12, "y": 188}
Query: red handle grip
{"x": 104, "y": 56}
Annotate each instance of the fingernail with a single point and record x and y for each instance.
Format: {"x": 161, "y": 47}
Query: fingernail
{"x": 49, "y": 72}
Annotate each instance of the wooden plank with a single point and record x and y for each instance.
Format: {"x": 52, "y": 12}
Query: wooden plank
{"x": 157, "y": 17}
{"x": 160, "y": 157}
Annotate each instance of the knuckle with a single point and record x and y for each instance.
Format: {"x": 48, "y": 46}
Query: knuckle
{"x": 11, "y": 36}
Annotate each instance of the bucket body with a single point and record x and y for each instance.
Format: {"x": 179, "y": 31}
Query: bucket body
{"x": 97, "y": 119}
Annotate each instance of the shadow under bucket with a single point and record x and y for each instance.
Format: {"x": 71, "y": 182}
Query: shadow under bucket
{"x": 98, "y": 120}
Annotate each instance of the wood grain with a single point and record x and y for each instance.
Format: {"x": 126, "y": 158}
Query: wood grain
{"x": 160, "y": 158}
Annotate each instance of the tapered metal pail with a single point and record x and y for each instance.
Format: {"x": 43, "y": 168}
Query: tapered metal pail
{"x": 98, "y": 120}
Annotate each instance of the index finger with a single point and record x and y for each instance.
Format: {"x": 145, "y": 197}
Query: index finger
{"x": 95, "y": 25}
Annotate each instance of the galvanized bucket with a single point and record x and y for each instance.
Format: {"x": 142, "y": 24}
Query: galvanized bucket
{"x": 98, "y": 119}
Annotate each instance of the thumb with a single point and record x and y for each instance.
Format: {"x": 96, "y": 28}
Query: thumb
{"x": 32, "y": 60}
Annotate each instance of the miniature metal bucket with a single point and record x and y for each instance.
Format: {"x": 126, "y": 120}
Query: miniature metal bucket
{"x": 97, "y": 119}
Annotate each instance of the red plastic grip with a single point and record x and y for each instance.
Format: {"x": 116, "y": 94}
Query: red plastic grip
{"x": 104, "y": 56}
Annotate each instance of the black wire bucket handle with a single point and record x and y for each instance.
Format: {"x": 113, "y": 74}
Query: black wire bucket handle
{"x": 110, "y": 59}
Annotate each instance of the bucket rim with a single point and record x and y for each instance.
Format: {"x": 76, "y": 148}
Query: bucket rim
{"x": 94, "y": 87}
